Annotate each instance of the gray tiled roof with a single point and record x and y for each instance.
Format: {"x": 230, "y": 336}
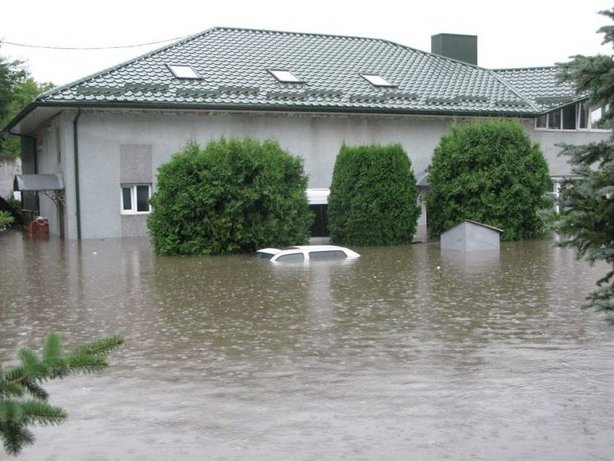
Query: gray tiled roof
{"x": 540, "y": 85}
{"x": 234, "y": 63}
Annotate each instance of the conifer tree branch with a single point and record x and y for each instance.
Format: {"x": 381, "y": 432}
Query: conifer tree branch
{"x": 16, "y": 412}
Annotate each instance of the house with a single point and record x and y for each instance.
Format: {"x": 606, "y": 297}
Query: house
{"x": 107, "y": 133}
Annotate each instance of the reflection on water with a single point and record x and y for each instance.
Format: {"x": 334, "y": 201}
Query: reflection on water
{"x": 407, "y": 353}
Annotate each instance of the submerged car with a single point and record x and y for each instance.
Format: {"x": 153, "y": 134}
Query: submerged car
{"x": 305, "y": 253}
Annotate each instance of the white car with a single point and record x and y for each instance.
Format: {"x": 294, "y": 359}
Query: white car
{"x": 305, "y": 253}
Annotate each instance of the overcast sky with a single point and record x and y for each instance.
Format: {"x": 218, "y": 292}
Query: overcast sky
{"x": 516, "y": 33}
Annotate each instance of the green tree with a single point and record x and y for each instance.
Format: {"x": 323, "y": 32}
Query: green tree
{"x": 586, "y": 220}
{"x": 24, "y": 402}
{"x": 373, "y": 196}
{"x": 17, "y": 90}
{"x": 6, "y": 220}
{"x": 233, "y": 196}
{"x": 490, "y": 172}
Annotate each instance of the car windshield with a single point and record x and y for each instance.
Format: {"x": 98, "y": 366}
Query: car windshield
{"x": 262, "y": 255}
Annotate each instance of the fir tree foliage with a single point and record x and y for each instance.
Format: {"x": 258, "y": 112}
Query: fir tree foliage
{"x": 489, "y": 172}
{"x": 373, "y": 196}
{"x": 586, "y": 219}
{"x": 23, "y": 400}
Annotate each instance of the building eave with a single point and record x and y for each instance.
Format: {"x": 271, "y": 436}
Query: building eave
{"x": 264, "y": 108}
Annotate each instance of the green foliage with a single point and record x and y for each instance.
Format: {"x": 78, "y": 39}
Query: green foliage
{"x": 23, "y": 401}
{"x": 373, "y": 196}
{"x": 233, "y": 196}
{"x": 586, "y": 220}
{"x": 17, "y": 90}
{"x": 6, "y": 220}
{"x": 489, "y": 172}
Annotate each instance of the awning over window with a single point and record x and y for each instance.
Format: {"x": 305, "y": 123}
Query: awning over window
{"x": 38, "y": 182}
{"x": 318, "y": 196}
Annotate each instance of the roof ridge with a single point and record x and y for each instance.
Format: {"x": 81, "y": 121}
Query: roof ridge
{"x": 515, "y": 91}
{"x": 313, "y": 34}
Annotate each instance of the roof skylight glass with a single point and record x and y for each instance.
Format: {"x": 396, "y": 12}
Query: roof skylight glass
{"x": 183, "y": 71}
{"x": 377, "y": 80}
{"x": 285, "y": 76}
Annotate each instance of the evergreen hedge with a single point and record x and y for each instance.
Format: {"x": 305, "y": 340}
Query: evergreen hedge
{"x": 373, "y": 196}
{"x": 233, "y": 196}
{"x": 490, "y": 172}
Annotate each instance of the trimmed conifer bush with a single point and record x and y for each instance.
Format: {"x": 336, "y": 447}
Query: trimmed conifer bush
{"x": 490, "y": 172}
{"x": 373, "y": 196}
{"x": 233, "y": 196}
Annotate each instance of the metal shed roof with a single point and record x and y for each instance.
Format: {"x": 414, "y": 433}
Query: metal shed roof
{"x": 38, "y": 182}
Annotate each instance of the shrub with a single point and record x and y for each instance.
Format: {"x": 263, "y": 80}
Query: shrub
{"x": 6, "y": 220}
{"x": 490, "y": 172}
{"x": 233, "y": 196}
{"x": 373, "y": 196}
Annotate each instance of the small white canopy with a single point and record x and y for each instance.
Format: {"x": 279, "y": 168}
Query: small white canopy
{"x": 38, "y": 182}
{"x": 318, "y": 196}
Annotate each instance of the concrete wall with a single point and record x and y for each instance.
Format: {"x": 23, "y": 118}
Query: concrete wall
{"x": 548, "y": 140}
{"x": 104, "y": 135}
{"x": 9, "y": 167}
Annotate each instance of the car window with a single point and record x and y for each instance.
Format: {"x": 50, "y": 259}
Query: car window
{"x": 326, "y": 255}
{"x": 262, "y": 255}
{"x": 291, "y": 258}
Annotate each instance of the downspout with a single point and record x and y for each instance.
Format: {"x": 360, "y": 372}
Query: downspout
{"x": 76, "y": 158}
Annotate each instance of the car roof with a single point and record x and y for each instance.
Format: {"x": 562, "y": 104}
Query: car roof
{"x": 271, "y": 251}
{"x": 317, "y": 247}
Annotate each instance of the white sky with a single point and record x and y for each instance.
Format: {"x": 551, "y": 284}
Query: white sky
{"x": 516, "y": 33}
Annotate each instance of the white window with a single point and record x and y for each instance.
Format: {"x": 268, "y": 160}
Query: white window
{"x": 285, "y": 76}
{"x": 555, "y": 192}
{"x": 183, "y": 71}
{"x": 572, "y": 117}
{"x": 376, "y": 80}
{"x": 135, "y": 198}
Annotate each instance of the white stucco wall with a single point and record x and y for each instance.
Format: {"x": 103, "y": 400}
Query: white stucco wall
{"x": 548, "y": 140}
{"x": 9, "y": 167}
{"x": 315, "y": 137}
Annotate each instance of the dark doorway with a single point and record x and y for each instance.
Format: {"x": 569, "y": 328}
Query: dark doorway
{"x": 320, "y": 222}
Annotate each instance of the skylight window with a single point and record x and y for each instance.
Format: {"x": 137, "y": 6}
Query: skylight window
{"x": 285, "y": 76}
{"x": 376, "y": 80}
{"x": 183, "y": 71}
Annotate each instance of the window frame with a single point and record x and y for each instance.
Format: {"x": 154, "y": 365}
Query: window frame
{"x": 285, "y": 76}
{"x": 583, "y": 116}
{"x": 377, "y": 80}
{"x": 133, "y": 210}
{"x": 177, "y": 71}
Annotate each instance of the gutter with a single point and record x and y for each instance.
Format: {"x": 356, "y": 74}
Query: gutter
{"x": 75, "y": 125}
{"x": 451, "y": 112}
{"x": 18, "y": 118}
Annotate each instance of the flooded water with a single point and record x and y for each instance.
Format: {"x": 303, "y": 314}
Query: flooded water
{"x": 406, "y": 354}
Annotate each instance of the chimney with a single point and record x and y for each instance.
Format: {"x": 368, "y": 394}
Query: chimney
{"x": 460, "y": 47}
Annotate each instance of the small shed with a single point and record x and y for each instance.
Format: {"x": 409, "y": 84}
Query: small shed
{"x": 471, "y": 236}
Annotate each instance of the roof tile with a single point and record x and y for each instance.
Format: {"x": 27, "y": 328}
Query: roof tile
{"x": 234, "y": 63}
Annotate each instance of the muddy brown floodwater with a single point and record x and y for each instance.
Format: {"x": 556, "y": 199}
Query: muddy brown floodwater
{"x": 406, "y": 354}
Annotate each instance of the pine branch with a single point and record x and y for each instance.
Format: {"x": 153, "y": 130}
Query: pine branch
{"x": 16, "y": 413}
{"x": 15, "y": 437}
